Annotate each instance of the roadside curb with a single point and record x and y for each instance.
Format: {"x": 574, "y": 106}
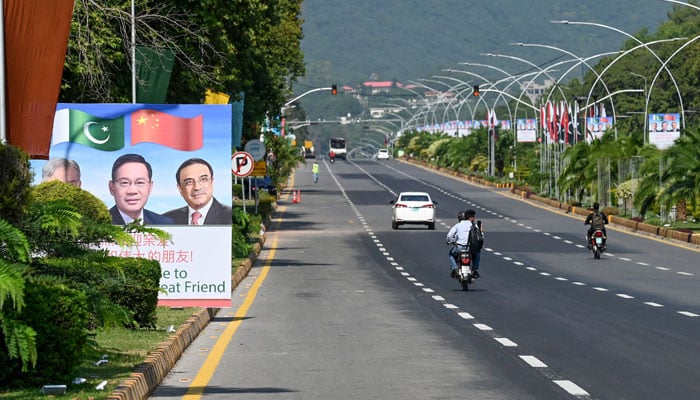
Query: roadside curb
{"x": 158, "y": 363}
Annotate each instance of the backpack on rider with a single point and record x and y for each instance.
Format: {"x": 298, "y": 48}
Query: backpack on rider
{"x": 476, "y": 238}
{"x": 597, "y": 221}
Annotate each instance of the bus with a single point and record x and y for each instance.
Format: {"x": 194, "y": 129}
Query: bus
{"x": 337, "y": 146}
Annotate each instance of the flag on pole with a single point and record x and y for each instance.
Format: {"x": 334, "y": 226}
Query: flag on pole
{"x": 75, "y": 126}
{"x": 564, "y": 123}
{"x": 179, "y": 133}
{"x": 493, "y": 123}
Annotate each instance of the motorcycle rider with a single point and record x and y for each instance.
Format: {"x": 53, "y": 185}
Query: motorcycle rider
{"x": 459, "y": 237}
{"x": 596, "y": 223}
{"x": 331, "y": 155}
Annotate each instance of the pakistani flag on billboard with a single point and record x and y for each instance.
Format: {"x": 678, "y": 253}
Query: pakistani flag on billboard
{"x": 106, "y": 134}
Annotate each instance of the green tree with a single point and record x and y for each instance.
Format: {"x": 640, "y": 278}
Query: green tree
{"x": 682, "y": 176}
{"x": 252, "y": 47}
{"x": 20, "y": 339}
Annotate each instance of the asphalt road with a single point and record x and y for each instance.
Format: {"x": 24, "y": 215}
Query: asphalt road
{"x": 340, "y": 306}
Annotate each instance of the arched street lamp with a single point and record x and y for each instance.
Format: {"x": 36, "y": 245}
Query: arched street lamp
{"x": 646, "y": 104}
{"x": 624, "y": 53}
{"x": 634, "y": 38}
{"x": 581, "y": 60}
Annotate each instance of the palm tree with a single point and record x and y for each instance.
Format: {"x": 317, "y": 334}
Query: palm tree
{"x": 682, "y": 176}
{"x": 14, "y": 254}
{"x": 578, "y": 175}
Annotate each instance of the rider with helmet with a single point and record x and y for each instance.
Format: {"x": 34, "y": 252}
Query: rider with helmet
{"x": 459, "y": 237}
{"x": 597, "y": 220}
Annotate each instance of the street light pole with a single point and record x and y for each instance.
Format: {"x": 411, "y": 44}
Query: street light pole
{"x": 646, "y": 104}
{"x": 642, "y": 44}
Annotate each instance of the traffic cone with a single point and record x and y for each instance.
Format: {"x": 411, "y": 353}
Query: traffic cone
{"x": 299, "y": 196}
{"x": 295, "y": 198}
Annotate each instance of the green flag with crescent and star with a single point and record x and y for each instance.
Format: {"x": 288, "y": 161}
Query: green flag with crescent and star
{"x": 106, "y": 134}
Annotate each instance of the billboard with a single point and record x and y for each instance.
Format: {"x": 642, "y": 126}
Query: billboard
{"x": 526, "y": 130}
{"x": 188, "y": 151}
{"x": 664, "y": 129}
{"x": 597, "y": 126}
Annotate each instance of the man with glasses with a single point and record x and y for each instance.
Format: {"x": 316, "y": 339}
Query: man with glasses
{"x": 131, "y": 185}
{"x": 195, "y": 182}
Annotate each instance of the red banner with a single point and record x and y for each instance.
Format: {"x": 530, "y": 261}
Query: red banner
{"x": 36, "y": 39}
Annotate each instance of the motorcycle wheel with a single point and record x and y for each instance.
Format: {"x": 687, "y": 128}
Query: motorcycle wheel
{"x": 465, "y": 285}
{"x": 596, "y": 253}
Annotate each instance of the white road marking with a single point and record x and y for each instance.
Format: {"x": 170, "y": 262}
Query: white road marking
{"x": 518, "y": 263}
{"x": 507, "y": 258}
{"x": 600, "y": 289}
{"x": 465, "y": 315}
{"x": 428, "y": 290}
{"x": 418, "y": 284}
{"x": 405, "y": 274}
{"x": 624, "y": 296}
{"x": 438, "y": 298}
{"x": 579, "y": 283}
{"x": 412, "y": 279}
{"x": 559, "y": 278}
{"x": 532, "y": 269}
{"x": 534, "y": 362}
{"x": 483, "y": 327}
{"x": 688, "y": 314}
{"x": 545, "y": 274}
{"x": 685, "y": 273}
{"x": 651, "y": 303}
{"x": 625, "y": 259}
{"x": 571, "y": 387}
{"x": 450, "y": 306}
{"x": 642, "y": 263}
{"x": 506, "y": 342}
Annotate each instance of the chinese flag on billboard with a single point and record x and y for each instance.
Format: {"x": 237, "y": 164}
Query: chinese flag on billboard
{"x": 179, "y": 133}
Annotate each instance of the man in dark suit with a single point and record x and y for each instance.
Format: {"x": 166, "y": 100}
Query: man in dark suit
{"x": 131, "y": 185}
{"x": 195, "y": 182}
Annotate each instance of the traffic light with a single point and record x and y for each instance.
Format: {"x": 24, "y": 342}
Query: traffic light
{"x": 334, "y": 89}
{"x": 476, "y": 91}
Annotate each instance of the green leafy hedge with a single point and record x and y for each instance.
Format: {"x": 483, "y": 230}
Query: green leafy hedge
{"x": 59, "y": 316}
{"x": 130, "y": 283}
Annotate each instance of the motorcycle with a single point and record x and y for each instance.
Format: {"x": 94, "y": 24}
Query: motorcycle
{"x": 331, "y": 156}
{"x": 597, "y": 243}
{"x": 465, "y": 274}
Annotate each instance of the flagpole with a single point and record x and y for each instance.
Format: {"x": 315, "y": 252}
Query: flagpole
{"x": 3, "y": 114}
{"x": 133, "y": 52}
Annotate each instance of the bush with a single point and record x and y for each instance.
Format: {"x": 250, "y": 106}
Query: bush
{"x": 130, "y": 283}
{"x": 239, "y": 242}
{"x": 50, "y": 201}
{"x": 15, "y": 181}
{"x": 58, "y": 314}
{"x": 89, "y": 206}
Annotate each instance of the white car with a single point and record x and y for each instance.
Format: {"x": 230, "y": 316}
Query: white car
{"x": 383, "y": 154}
{"x": 413, "y": 208}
